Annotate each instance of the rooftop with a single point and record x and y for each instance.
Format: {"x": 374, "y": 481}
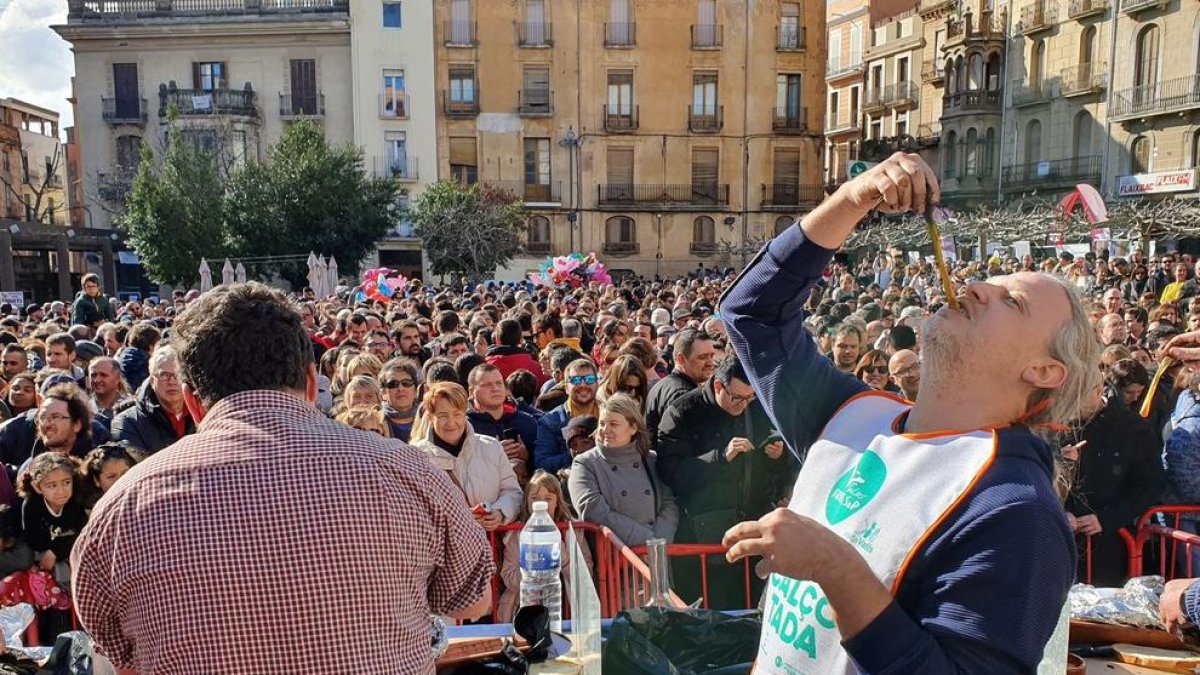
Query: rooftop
{"x": 144, "y": 11}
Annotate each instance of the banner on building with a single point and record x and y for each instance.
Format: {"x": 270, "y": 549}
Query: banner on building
{"x": 1156, "y": 183}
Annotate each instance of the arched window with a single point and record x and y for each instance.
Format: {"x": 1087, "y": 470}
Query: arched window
{"x": 993, "y": 72}
{"x": 1081, "y": 141}
{"x": 1146, "y": 57}
{"x": 620, "y": 230}
{"x": 1139, "y": 155}
{"x": 951, "y": 77}
{"x": 951, "y": 154}
{"x": 704, "y": 230}
{"x": 972, "y": 153}
{"x": 989, "y": 152}
{"x": 129, "y": 152}
{"x": 1196, "y": 150}
{"x": 782, "y": 223}
{"x": 1037, "y": 65}
{"x": 976, "y": 76}
{"x": 1033, "y": 142}
{"x": 539, "y": 231}
{"x": 1087, "y": 45}
{"x": 961, "y": 67}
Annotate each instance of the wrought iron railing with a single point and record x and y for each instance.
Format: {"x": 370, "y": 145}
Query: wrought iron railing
{"x": 619, "y": 194}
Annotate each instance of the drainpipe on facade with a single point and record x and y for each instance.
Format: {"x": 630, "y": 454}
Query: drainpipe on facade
{"x": 1108, "y": 98}
{"x": 1006, "y": 84}
{"x": 745, "y": 129}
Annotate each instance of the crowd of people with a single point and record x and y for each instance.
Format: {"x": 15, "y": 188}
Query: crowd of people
{"x": 624, "y": 406}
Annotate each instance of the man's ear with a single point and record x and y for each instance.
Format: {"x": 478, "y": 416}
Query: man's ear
{"x": 310, "y": 384}
{"x": 1045, "y": 373}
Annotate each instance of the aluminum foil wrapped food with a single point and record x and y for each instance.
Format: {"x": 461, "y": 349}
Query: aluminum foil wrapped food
{"x": 1135, "y": 604}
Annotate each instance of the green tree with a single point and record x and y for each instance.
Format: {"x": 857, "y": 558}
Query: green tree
{"x": 173, "y": 215}
{"x": 471, "y": 230}
{"x": 308, "y": 196}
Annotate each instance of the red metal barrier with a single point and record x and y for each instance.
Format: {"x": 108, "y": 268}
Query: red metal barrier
{"x": 587, "y": 534}
{"x": 702, "y": 551}
{"x": 1155, "y": 535}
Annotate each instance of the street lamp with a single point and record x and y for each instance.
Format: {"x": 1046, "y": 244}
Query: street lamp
{"x": 571, "y": 142}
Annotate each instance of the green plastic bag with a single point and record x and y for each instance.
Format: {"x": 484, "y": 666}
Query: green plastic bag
{"x": 658, "y": 641}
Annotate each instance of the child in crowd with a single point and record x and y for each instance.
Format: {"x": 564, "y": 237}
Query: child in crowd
{"x": 52, "y": 520}
{"x": 543, "y": 487}
{"x": 366, "y": 418}
{"x": 102, "y": 467}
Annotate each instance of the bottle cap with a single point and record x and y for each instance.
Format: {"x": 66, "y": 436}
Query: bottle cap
{"x": 541, "y": 506}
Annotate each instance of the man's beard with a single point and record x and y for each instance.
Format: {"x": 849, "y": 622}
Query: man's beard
{"x": 941, "y": 356}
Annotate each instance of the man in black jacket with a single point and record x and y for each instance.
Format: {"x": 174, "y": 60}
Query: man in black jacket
{"x": 717, "y": 451}
{"x": 694, "y": 352}
{"x": 158, "y": 417}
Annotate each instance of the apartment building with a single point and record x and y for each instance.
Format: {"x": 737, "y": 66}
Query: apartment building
{"x": 658, "y": 134}
{"x": 892, "y": 103}
{"x": 236, "y": 72}
{"x": 10, "y": 170}
{"x": 37, "y": 184}
{"x": 394, "y": 103}
{"x": 847, "y": 23}
{"x": 1154, "y": 110}
{"x": 1054, "y": 134}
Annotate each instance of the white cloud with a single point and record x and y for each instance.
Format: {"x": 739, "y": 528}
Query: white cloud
{"x": 38, "y": 64}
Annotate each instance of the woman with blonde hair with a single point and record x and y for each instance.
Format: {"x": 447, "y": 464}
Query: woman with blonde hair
{"x": 362, "y": 390}
{"x": 615, "y": 484}
{"x": 477, "y": 464}
{"x": 625, "y": 376}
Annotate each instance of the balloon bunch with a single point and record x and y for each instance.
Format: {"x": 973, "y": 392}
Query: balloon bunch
{"x": 571, "y": 271}
{"x": 377, "y": 284}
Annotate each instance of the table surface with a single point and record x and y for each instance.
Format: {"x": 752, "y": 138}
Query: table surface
{"x": 1105, "y": 667}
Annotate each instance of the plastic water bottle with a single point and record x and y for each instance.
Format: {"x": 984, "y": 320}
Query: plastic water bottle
{"x": 541, "y": 562}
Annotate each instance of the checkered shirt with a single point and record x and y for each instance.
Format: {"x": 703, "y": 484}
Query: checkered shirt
{"x": 275, "y": 540}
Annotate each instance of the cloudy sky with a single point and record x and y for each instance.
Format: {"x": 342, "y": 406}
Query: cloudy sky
{"x": 37, "y": 64}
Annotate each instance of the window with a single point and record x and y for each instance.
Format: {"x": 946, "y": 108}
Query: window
{"x": 993, "y": 72}
{"x": 875, "y": 81}
{"x": 834, "y": 109}
{"x": 394, "y": 104}
{"x": 972, "y": 153}
{"x": 203, "y": 140}
{"x": 786, "y": 177}
{"x": 396, "y": 147}
{"x": 462, "y": 28}
{"x": 975, "y": 74}
{"x": 704, "y": 231}
{"x": 539, "y": 231}
{"x": 789, "y": 26}
{"x": 1196, "y": 150}
{"x": 706, "y": 33}
{"x": 391, "y": 15}
{"x": 620, "y": 93}
{"x": 1139, "y": 155}
{"x": 787, "y": 96}
{"x": 951, "y": 154}
{"x": 706, "y": 174}
{"x": 620, "y": 230}
{"x": 835, "y": 52}
{"x": 1087, "y": 44}
{"x": 782, "y": 223}
{"x": 951, "y": 77}
{"x": 129, "y": 152}
{"x": 704, "y": 93}
{"x": 125, "y": 90}
{"x": 1146, "y": 57}
{"x": 1033, "y": 141}
{"x": 463, "y": 163}
{"x": 1082, "y": 137}
{"x": 989, "y": 151}
{"x": 535, "y": 31}
{"x": 535, "y": 96}
{"x": 902, "y": 124}
{"x": 620, "y": 28}
{"x": 304, "y": 87}
{"x": 537, "y": 170}
{"x": 1037, "y": 65}
{"x": 855, "y": 106}
{"x": 209, "y": 76}
{"x": 620, "y": 173}
{"x": 462, "y": 85}
{"x": 876, "y": 129}
{"x": 856, "y": 52}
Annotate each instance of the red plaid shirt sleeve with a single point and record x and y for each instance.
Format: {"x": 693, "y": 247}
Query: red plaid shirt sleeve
{"x": 96, "y": 601}
{"x": 464, "y": 566}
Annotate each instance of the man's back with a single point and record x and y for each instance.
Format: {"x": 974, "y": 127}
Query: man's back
{"x": 239, "y": 548}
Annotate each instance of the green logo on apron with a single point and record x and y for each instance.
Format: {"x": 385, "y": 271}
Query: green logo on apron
{"x": 855, "y": 488}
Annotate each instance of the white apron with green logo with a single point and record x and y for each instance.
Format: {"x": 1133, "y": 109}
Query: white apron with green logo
{"x": 880, "y": 491}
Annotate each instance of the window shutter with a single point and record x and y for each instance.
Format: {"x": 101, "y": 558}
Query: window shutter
{"x": 462, "y": 151}
{"x": 620, "y": 166}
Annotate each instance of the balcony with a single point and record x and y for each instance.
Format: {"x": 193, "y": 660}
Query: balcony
{"x": 702, "y": 248}
{"x": 1034, "y": 93}
{"x": 461, "y": 34}
{"x": 874, "y": 101}
{"x": 707, "y": 120}
{"x": 787, "y": 196}
{"x": 1139, "y": 6}
{"x": 790, "y": 120}
{"x": 662, "y": 196}
{"x": 932, "y": 73}
{"x": 1158, "y": 98}
{"x": 307, "y": 105}
{"x": 1084, "y": 79}
{"x": 539, "y": 247}
{"x": 393, "y": 106}
{"x": 791, "y": 38}
{"x": 620, "y": 119}
{"x": 901, "y": 95}
{"x": 988, "y": 27}
{"x": 973, "y": 102}
{"x": 1050, "y": 174}
{"x": 85, "y": 10}
{"x": 1082, "y": 9}
{"x": 459, "y": 108}
{"x": 622, "y": 248}
{"x": 208, "y": 102}
{"x": 124, "y": 110}
{"x": 841, "y": 124}
{"x": 929, "y": 134}
{"x": 531, "y": 193}
{"x": 534, "y": 34}
{"x": 1037, "y": 17}
{"x": 837, "y": 68}
{"x": 114, "y": 186}
{"x": 400, "y": 168}
{"x": 622, "y": 34}
{"x": 535, "y": 103}
{"x": 707, "y": 36}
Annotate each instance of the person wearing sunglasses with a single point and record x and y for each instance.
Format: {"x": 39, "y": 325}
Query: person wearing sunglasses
{"x": 399, "y": 382}
{"x": 872, "y": 368}
{"x": 580, "y": 381}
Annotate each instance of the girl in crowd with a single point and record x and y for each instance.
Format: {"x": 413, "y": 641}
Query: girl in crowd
{"x": 362, "y": 390}
{"x": 102, "y": 467}
{"x": 543, "y": 487}
{"x": 615, "y": 484}
{"x": 365, "y": 418}
{"x": 626, "y": 376}
{"x": 872, "y": 368}
{"x": 476, "y": 464}
{"x": 50, "y": 518}
{"x": 399, "y": 379}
